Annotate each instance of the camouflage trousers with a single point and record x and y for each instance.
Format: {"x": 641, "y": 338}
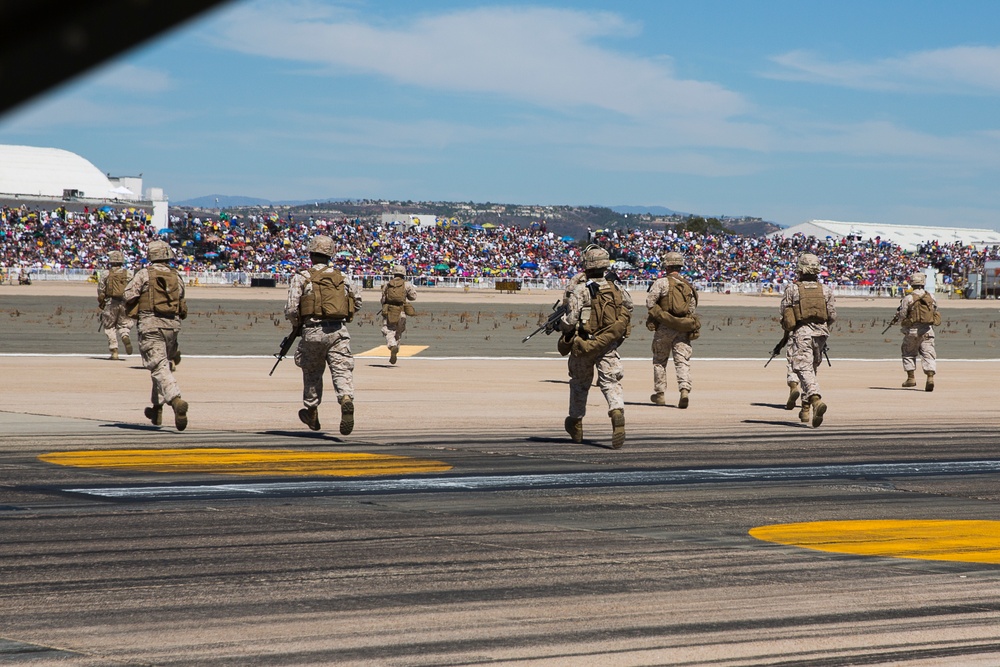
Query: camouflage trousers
{"x": 918, "y": 341}
{"x": 322, "y": 346}
{"x": 666, "y": 342}
{"x": 115, "y": 322}
{"x": 790, "y": 375}
{"x": 157, "y": 347}
{"x": 393, "y": 332}
{"x": 609, "y": 378}
{"x": 804, "y": 353}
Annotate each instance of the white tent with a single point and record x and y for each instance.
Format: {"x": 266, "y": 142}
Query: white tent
{"x": 905, "y": 236}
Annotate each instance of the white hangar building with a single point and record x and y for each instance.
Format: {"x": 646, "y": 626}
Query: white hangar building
{"x": 906, "y": 236}
{"x": 59, "y": 177}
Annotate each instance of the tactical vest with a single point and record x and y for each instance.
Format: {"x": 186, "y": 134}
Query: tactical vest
{"x": 163, "y": 293}
{"x": 114, "y": 288}
{"x": 394, "y": 292}
{"x": 328, "y": 299}
{"x": 922, "y": 310}
{"x": 680, "y": 299}
{"x": 605, "y": 307}
{"x": 811, "y": 307}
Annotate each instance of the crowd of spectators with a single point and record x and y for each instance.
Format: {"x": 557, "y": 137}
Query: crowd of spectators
{"x": 33, "y": 238}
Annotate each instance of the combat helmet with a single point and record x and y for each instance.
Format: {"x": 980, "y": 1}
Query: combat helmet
{"x": 398, "y": 270}
{"x": 808, "y": 264}
{"x": 918, "y": 279}
{"x": 595, "y": 257}
{"x": 159, "y": 251}
{"x": 321, "y": 245}
{"x": 116, "y": 257}
{"x": 673, "y": 259}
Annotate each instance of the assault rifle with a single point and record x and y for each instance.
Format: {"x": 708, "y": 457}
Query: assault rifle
{"x": 558, "y": 310}
{"x": 894, "y": 320}
{"x": 777, "y": 348}
{"x": 286, "y": 345}
{"x": 825, "y": 355}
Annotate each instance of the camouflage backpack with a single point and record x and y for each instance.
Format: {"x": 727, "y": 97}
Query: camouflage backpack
{"x": 605, "y": 307}
{"x": 681, "y": 299}
{"x": 163, "y": 295}
{"x": 395, "y": 291}
{"x": 114, "y": 288}
{"x": 922, "y": 310}
{"x": 328, "y": 299}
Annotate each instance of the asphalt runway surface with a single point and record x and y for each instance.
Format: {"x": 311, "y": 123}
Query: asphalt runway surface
{"x": 458, "y": 525}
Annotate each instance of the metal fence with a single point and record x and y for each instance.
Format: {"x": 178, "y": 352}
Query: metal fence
{"x": 374, "y": 281}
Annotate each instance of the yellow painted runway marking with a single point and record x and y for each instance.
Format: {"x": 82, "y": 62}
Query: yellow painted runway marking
{"x": 964, "y": 541}
{"x": 247, "y": 462}
{"x": 383, "y": 351}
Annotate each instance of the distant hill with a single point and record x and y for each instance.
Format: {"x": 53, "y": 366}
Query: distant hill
{"x": 651, "y": 210}
{"x": 235, "y": 201}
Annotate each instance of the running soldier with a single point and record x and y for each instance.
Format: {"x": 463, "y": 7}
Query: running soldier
{"x": 807, "y": 311}
{"x": 321, "y": 300}
{"x": 111, "y": 300}
{"x": 671, "y": 302}
{"x": 918, "y": 314}
{"x": 598, "y": 319}
{"x": 396, "y": 295}
{"x": 156, "y": 296}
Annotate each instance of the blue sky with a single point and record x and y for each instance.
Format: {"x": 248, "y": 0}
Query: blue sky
{"x": 789, "y": 110}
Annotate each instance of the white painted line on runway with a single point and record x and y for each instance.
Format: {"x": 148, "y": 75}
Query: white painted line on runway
{"x": 540, "y": 480}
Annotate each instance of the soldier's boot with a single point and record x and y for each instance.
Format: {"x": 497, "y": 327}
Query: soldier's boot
{"x": 617, "y": 427}
{"x": 346, "y": 415}
{"x": 114, "y": 354}
{"x": 154, "y": 414}
{"x": 658, "y": 398}
{"x": 804, "y": 410}
{"x": 310, "y": 417}
{"x": 682, "y": 402}
{"x": 128, "y": 344}
{"x": 910, "y": 381}
{"x": 180, "y": 407}
{"x": 574, "y": 426}
{"x": 793, "y": 395}
{"x": 929, "y": 385}
{"x": 818, "y": 409}
{"x": 393, "y": 351}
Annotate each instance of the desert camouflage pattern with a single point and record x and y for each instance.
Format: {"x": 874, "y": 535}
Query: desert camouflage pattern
{"x": 581, "y": 369}
{"x": 114, "y": 317}
{"x": 790, "y": 375}
{"x": 804, "y": 352}
{"x": 669, "y": 342}
{"x": 157, "y": 341}
{"x": 322, "y": 344}
{"x": 393, "y": 333}
{"x": 918, "y": 339}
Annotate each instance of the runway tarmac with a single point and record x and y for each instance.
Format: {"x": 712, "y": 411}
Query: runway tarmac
{"x": 249, "y": 540}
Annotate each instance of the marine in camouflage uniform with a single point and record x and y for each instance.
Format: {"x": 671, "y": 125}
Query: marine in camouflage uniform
{"x": 111, "y": 300}
{"x": 918, "y": 337}
{"x": 158, "y": 330}
{"x": 589, "y": 350}
{"x": 672, "y": 332}
{"x": 324, "y": 341}
{"x": 395, "y": 297}
{"x": 807, "y": 311}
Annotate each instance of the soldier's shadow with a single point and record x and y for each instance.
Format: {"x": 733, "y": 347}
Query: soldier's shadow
{"x": 133, "y": 427}
{"x": 307, "y": 435}
{"x": 769, "y": 422}
{"x": 894, "y": 388}
{"x": 567, "y": 441}
{"x": 776, "y": 406}
{"x": 647, "y": 404}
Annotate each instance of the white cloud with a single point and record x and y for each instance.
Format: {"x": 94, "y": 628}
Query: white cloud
{"x": 546, "y": 57}
{"x": 133, "y": 79}
{"x": 960, "y": 69}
